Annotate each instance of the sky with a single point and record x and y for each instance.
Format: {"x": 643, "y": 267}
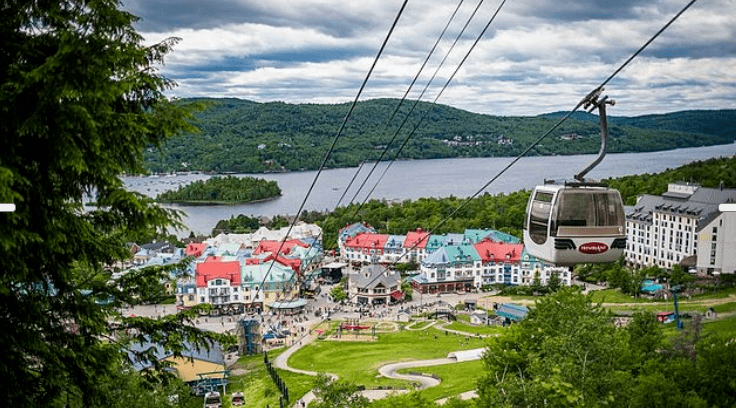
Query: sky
{"x": 537, "y": 56}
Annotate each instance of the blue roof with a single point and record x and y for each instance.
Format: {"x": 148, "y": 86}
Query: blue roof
{"x": 650, "y": 287}
{"x": 355, "y": 229}
{"x": 512, "y": 311}
{"x": 395, "y": 242}
{"x": 213, "y": 355}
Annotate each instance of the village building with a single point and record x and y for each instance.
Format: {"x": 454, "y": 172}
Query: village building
{"x": 448, "y": 269}
{"x": 501, "y": 263}
{"x": 532, "y": 266}
{"x": 393, "y": 251}
{"x": 264, "y": 283}
{"x": 218, "y": 283}
{"x": 415, "y": 244}
{"x": 186, "y": 292}
{"x": 363, "y": 246}
{"x": 374, "y": 285}
{"x": 351, "y": 231}
{"x": 477, "y": 235}
{"x": 195, "y": 249}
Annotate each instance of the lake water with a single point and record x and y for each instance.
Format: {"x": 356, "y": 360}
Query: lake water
{"x": 421, "y": 178}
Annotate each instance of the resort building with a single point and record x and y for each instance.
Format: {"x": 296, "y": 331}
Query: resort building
{"x": 663, "y": 230}
{"x": 717, "y": 243}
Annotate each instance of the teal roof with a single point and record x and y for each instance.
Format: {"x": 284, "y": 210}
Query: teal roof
{"x": 504, "y": 237}
{"x": 451, "y": 255}
{"x": 477, "y": 235}
{"x": 462, "y": 253}
{"x": 254, "y": 273}
{"x": 434, "y": 242}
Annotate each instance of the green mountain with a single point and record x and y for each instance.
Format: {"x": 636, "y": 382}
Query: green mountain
{"x": 244, "y": 136}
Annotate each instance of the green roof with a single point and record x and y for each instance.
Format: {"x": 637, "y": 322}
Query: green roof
{"x": 462, "y": 253}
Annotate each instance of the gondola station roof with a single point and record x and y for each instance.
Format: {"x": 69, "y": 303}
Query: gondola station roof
{"x": 293, "y": 304}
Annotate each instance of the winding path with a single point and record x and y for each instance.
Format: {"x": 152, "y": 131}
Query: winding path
{"x": 388, "y": 370}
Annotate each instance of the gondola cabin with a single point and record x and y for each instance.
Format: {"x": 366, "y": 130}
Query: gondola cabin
{"x": 570, "y": 224}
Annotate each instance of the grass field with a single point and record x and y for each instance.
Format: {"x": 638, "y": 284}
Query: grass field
{"x": 467, "y": 328}
{"x": 358, "y": 362}
{"x": 615, "y": 296}
{"x": 456, "y": 378}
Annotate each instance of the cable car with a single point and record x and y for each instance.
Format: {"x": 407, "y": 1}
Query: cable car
{"x": 567, "y": 224}
{"x": 579, "y": 221}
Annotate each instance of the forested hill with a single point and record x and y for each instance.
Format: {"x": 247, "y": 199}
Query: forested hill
{"x": 244, "y": 136}
{"x": 711, "y": 122}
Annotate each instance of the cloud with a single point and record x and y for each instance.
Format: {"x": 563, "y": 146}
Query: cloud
{"x": 536, "y": 57}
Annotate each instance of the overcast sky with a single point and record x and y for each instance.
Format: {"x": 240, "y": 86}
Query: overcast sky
{"x": 538, "y": 55}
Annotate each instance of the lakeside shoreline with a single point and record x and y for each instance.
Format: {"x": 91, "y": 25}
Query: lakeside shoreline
{"x": 218, "y": 203}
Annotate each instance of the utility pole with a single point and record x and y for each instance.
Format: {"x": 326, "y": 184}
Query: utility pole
{"x": 674, "y": 291}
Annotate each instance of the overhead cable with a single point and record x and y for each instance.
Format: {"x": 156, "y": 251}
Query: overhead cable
{"x": 334, "y": 142}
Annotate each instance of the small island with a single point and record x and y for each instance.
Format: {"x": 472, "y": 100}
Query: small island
{"x": 222, "y": 190}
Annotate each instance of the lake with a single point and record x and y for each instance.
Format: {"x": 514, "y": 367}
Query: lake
{"x": 420, "y": 178}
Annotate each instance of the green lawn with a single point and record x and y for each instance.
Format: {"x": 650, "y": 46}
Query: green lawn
{"x": 455, "y": 378}
{"x": 723, "y": 293}
{"x": 358, "y": 362}
{"x": 615, "y": 296}
{"x": 467, "y": 328}
{"x": 258, "y": 387}
{"x": 725, "y": 327}
{"x": 725, "y": 307}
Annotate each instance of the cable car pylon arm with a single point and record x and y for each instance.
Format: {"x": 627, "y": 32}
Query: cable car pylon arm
{"x": 592, "y": 102}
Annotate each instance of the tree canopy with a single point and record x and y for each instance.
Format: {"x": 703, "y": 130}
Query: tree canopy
{"x": 81, "y": 99}
{"x": 228, "y": 189}
{"x": 570, "y": 352}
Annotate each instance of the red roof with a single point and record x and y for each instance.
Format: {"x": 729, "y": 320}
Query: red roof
{"x": 195, "y": 249}
{"x": 418, "y": 238}
{"x": 272, "y": 246}
{"x": 367, "y": 240}
{"x": 293, "y": 263}
{"x": 490, "y": 251}
{"x": 213, "y": 268}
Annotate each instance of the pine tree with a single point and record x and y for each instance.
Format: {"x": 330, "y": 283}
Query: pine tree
{"x": 80, "y": 100}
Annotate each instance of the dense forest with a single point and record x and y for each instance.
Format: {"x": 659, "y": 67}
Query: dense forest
{"x": 244, "y": 136}
{"x": 222, "y": 190}
{"x": 504, "y": 212}
{"x": 709, "y": 173}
